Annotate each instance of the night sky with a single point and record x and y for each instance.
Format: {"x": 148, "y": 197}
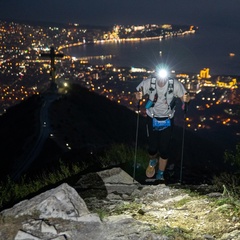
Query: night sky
{"x": 109, "y": 12}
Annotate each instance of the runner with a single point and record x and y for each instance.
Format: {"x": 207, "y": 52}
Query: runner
{"x": 162, "y": 92}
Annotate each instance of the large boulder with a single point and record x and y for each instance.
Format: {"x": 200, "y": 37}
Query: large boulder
{"x": 61, "y": 202}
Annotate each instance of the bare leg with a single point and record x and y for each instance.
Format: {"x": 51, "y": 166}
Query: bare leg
{"x": 162, "y": 164}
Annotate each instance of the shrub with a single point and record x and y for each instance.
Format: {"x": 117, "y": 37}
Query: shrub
{"x": 233, "y": 158}
{"x": 229, "y": 181}
{"x": 121, "y": 153}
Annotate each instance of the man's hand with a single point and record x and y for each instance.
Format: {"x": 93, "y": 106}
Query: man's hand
{"x": 186, "y": 98}
{"x": 139, "y": 95}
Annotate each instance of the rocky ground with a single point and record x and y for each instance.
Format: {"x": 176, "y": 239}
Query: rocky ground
{"x": 119, "y": 208}
{"x": 175, "y": 211}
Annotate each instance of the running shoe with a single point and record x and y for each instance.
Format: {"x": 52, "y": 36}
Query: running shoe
{"x": 159, "y": 175}
{"x": 150, "y": 171}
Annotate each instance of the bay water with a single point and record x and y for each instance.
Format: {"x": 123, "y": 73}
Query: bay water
{"x": 207, "y": 48}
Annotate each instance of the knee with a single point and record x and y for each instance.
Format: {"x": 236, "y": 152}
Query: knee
{"x": 152, "y": 153}
{"x": 164, "y": 155}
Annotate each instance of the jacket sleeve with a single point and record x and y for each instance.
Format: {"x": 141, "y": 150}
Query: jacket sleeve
{"x": 144, "y": 86}
{"x": 179, "y": 90}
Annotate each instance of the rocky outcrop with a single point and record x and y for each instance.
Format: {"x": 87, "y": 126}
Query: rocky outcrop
{"x": 61, "y": 202}
{"x": 109, "y": 205}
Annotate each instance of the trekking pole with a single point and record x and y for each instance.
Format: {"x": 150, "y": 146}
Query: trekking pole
{"x": 136, "y": 140}
{"x": 183, "y": 137}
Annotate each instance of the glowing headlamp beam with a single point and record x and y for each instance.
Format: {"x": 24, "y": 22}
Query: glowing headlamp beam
{"x": 162, "y": 73}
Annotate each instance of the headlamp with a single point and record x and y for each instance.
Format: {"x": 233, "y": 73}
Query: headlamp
{"x": 162, "y": 73}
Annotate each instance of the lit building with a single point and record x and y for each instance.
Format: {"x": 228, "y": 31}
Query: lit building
{"x": 138, "y": 28}
{"x": 167, "y": 26}
{"x": 227, "y": 82}
{"x": 133, "y": 69}
{"x": 204, "y": 73}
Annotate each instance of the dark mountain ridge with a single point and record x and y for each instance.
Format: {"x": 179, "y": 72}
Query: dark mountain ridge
{"x": 88, "y": 124}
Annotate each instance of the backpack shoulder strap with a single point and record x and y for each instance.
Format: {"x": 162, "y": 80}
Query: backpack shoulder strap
{"x": 170, "y": 85}
{"x": 152, "y": 85}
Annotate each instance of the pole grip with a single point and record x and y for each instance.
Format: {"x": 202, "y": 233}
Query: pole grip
{"x": 185, "y": 107}
{"x": 139, "y": 100}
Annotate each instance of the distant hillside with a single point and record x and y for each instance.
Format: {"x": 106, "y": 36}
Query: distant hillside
{"x": 84, "y": 123}
{"x": 18, "y": 129}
